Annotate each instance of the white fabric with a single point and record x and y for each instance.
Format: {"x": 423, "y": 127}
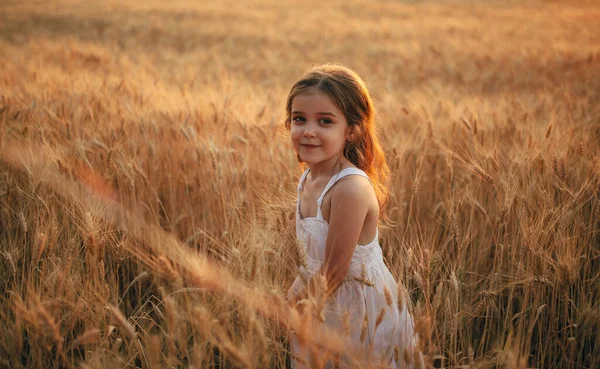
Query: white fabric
{"x": 355, "y": 297}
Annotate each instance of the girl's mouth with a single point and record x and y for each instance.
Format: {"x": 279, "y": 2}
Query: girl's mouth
{"x": 309, "y": 146}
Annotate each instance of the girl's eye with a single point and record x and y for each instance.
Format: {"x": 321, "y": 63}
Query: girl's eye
{"x": 325, "y": 121}
{"x": 297, "y": 119}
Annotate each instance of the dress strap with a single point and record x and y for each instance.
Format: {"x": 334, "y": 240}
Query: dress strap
{"x": 336, "y": 177}
{"x": 300, "y": 186}
{"x": 302, "y": 180}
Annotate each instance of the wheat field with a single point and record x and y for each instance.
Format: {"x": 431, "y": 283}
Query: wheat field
{"x": 147, "y": 186}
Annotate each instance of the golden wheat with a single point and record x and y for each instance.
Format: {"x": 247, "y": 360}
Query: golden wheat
{"x": 147, "y": 188}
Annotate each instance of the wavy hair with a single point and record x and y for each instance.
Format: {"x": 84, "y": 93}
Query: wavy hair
{"x": 351, "y": 95}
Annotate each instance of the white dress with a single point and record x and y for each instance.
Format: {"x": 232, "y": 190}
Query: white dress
{"x": 355, "y": 296}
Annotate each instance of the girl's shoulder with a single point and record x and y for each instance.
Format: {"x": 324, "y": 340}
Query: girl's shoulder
{"x": 352, "y": 182}
{"x": 352, "y": 196}
{"x": 351, "y": 173}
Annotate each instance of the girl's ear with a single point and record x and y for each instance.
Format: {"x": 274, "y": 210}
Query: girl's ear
{"x": 350, "y": 135}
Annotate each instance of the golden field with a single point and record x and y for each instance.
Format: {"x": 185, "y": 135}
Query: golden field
{"x": 147, "y": 186}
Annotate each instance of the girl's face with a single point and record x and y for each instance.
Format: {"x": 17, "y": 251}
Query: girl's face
{"x": 319, "y": 130}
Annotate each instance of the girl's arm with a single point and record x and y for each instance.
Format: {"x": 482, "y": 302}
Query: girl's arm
{"x": 350, "y": 204}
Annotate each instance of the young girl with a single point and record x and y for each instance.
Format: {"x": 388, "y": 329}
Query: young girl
{"x": 331, "y": 119}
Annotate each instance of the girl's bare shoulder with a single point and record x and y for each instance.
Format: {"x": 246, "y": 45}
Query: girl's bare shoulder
{"x": 354, "y": 188}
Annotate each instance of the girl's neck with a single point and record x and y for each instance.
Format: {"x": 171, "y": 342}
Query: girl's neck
{"x": 328, "y": 168}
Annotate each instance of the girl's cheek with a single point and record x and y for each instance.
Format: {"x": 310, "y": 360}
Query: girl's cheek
{"x": 295, "y": 137}
{"x": 295, "y": 132}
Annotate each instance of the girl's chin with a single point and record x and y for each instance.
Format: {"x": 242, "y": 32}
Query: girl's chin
{"x": 308, "y": 160}
{"x": 311, "y": 161}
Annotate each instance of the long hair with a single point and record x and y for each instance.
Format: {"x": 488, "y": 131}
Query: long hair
{"x": 349, "y": 92}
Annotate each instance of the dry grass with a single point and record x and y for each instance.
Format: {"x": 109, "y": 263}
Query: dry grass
{"x": 147, "y": 185}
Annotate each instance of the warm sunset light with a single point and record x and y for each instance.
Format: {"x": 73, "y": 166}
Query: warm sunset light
{"x": 300, "y": 184}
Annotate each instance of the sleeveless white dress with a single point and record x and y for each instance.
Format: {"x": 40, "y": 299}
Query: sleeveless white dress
{"x": 361, "y": 294}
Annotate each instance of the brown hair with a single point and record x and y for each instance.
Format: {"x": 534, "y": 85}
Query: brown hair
{"x": 349, "y": 92}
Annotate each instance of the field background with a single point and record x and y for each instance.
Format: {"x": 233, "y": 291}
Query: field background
{"x": 147, "y": 184}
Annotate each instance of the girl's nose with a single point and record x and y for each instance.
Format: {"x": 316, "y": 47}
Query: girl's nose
{"x": 309, "y": 131}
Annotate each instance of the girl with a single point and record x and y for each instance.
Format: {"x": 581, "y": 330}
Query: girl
{"x": 331, "y": 119}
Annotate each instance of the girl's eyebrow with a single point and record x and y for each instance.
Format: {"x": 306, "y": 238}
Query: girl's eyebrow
{"x": 319, "y": 113}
